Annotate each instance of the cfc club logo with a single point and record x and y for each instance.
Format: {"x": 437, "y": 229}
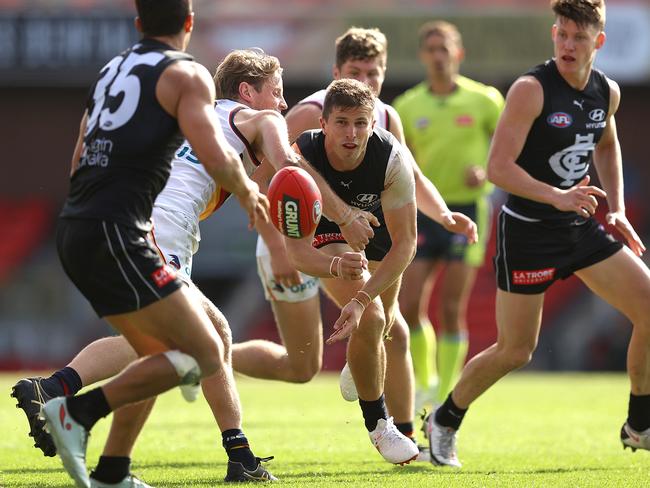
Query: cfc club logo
{"x": 561, "y": 120}
{"x": 597, "y": 115}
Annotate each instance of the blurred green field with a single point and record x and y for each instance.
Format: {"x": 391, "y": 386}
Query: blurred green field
{"x": 531, "y": 430}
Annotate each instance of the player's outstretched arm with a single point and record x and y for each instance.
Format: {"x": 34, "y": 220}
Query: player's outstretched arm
{"x": 187, "y": 91}
{"x": 609, "y": 165}
{"x": 311, "y": 261}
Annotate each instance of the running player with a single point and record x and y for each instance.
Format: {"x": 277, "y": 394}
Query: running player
{"x": 379, "y": 178}
{"x": 448, "y": 122}
{"x": 249, "y": 86}
{"x": 558, "y": 118}
{"x": 360, "y": 54}
{"x": 121, "y": 162}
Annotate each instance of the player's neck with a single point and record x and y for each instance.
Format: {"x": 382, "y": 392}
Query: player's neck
{"x": 442, "y": 85}
{"x": 177, "y": 42}
{"x": 577, "y": 80}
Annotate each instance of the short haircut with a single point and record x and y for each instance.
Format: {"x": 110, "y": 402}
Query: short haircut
{"x": 252, "y": 66}
{"x": 347, "y": 94}
{"x": 162, "y": 17}
{"x": 439, "y": 28}
{"x": 582, "y": 12}
{"x": 359, "y": 43}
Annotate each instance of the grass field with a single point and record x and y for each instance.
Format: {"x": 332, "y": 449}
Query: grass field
{"x": 531, "y": 430}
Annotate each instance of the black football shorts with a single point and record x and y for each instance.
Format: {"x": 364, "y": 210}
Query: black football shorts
{"x": 530, "y": 256}
{"x": 115, "y": 267}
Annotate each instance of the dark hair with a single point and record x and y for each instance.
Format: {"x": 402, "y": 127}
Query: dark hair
{"x": 582, "y": 12}
{"x": 347, "y": 93}
{"x": 359, "y": 43}
{"x": 252, "y": 66}
{"x": 162, "y": 17}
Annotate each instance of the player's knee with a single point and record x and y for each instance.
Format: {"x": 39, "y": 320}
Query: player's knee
{"x": 303, "y": 371}
{"x": 373, "y": 322}
{"x": 397, "y": 338}
{"x": 187, "y": 368}
{"x": 518, "y": 358}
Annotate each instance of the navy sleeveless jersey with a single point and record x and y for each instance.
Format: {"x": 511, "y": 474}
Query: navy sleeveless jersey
{"x": 362, "y": 186}
{"x": 129, "y": 140}
{"x": 560, "y": 145}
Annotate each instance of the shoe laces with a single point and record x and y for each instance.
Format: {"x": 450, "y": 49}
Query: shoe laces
{"x": 389, "y": 434}
{"x": 42, "y": 397}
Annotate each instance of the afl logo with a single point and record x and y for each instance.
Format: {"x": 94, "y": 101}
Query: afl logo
{"x": 597, "y": 115}
{"x": 561, "y": 120}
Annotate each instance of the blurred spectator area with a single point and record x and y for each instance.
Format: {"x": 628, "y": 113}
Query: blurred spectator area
{"x": 51, "y": 49}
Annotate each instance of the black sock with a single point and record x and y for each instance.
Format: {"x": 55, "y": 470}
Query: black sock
{"x": 638, "y": 412}
{"x": 373, "y": 411}
{"x": 64, "y": 382}
{"x": 406, "y": 428}
{"x": 111, "y": 469}
{"x": 236, "y": 445}
{"x": 89, "y": 407}
{"x": 449, "y": 414}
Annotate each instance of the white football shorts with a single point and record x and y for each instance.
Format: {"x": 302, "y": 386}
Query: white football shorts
{"x": 275, "y": 292}
{"x": 176, "y": 236}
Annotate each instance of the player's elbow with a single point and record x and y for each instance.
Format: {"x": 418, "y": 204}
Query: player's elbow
{"x": 495, "y": 173}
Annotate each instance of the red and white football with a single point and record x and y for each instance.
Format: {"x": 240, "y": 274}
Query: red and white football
{"x": 296, "y": 202}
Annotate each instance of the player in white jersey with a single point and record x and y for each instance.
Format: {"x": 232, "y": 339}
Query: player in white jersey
{"x": 360, "y": 54}
{"x": 249, "y": 85}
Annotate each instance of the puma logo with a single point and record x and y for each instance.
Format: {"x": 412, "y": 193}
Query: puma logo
{"x": 346, "y": 185}
{"x": 579, "y": 103}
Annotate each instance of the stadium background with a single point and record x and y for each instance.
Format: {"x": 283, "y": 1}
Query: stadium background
{"x": 50, "y": 51}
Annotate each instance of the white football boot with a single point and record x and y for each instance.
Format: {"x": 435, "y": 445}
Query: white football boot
{"x": 129, "y": 482}
{"x": 394, "y": 446}
{"x": 442, "y": 443}
{"x": 347, "y": 386}
{"x": 70, "y": 439}
{"x": 633, "y": 439}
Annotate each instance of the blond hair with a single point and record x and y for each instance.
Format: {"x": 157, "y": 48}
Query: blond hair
{"x": 252, "y": 66}
{"x": 360, "y": 43}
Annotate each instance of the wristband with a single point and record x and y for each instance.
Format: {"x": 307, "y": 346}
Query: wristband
{"x": 338, "y": 267}
{"x": 363, "y": 298}
{"x": 363, "y": 307}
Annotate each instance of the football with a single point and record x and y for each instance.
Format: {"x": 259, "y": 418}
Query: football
{"x": 295, "y": 201}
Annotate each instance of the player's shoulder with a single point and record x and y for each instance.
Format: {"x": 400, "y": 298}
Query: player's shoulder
{"x": 186, "y": 74}
{"x": 479, "y": 89}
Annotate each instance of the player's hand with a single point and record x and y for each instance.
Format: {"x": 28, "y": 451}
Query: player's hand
{"x": 347, "y": 322}
{"x": 283, "y": 272}
{"x": 475, "y": 176}
{"x": 358, "y": 231}
{"x": 459, "y": 223}
{"x": 619, "y": 221}
{"x": 351, "y": 266}
{"x": 254, "y": 203}
{"x": 580, "y": 198}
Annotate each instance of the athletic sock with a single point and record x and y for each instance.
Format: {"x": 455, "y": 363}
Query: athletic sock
{"x": 111, "y": 469}
{"x": 373, "y": 411}
{"x": 64, "y": 382}
{"x": 449, "y": 414}
{"x": 406, "y": 428}
{"x": 638, "y": 412}
{"x": 452, "y": 351}
{"x": 236, "y": 445}
{"x": 88, "y": 408}
{"x": 423, "y": 353}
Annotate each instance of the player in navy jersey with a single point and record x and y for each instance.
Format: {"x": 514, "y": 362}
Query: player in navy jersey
{"x": 558, "y": 118}
{"x": 140, "y": 103}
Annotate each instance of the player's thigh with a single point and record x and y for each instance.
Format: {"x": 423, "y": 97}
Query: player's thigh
{"x": 179, "y": 322}
{"x": 518, "y": 317}
{"x": 300, "y": 328}
{"x": 417, "y": 281}
{"x": 623, "y": 281}
{"x": 133, "y": 338}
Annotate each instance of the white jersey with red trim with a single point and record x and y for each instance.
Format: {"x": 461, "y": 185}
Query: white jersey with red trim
{"x": 190, "y": 189}
{"x": 382, "y": 118}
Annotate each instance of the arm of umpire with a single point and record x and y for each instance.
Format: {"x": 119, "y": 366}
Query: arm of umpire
{"x": 186, "y": 91}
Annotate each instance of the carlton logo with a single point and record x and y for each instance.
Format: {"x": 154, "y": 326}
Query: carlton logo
{"x": 533, "y": 277}
{"x": 561, "y": 120}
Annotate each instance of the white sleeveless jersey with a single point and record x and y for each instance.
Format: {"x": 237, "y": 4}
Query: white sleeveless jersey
{"x": 381, "y": 112}
{"x": 190, "y": 189}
